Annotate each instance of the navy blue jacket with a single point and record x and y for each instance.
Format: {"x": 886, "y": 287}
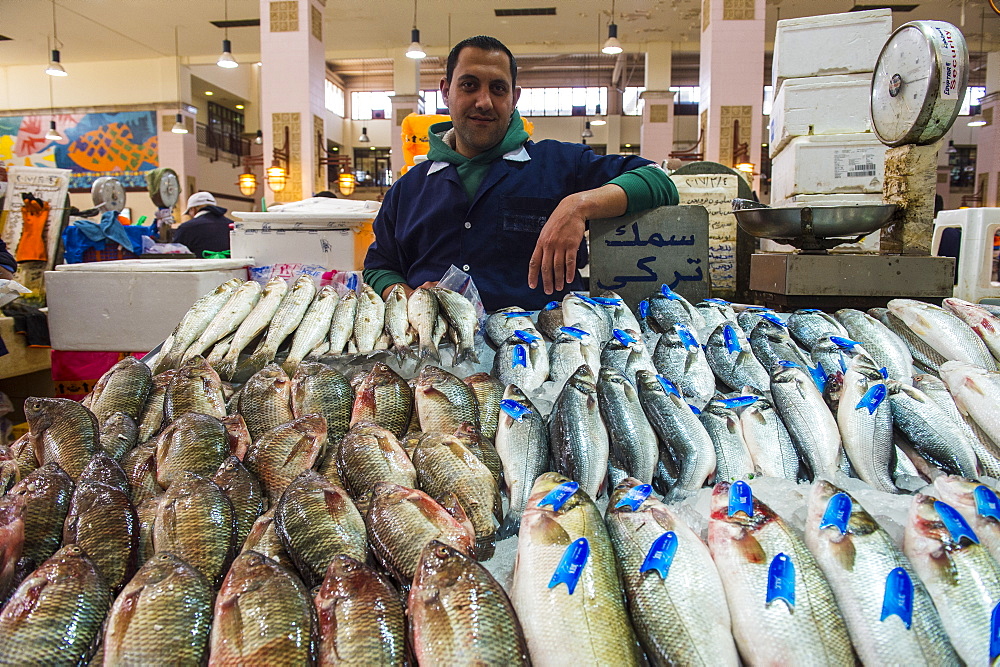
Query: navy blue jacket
{"x": 426, "y": 222}
{"x": 207, "y": 231}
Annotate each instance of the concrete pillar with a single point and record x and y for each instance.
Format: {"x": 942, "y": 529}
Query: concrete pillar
{"x": 292, "y": 90}
{"x": 405, "y": 100}
{"x": 657, "y": 130}
{"x": 614, "y": 130}
{"x": 988, "y": 136}
{"x": 732, "y": 78}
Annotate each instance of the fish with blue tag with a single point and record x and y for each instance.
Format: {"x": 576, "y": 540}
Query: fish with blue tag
{"x": 523, "y": 447}
{"x": 740, "y": 498}
{"x": 865, "y": 422}
{"x": 514, "y": 409}
{"x": 898, "y": 598}
{"x": 571, "y": 565}
{"x": 530, "y": 338}
{"x": 558, "y": 496}
{"x": 661, "y": 554}
{"x": 838, "y": 513}
{"x": 781, "y": 580}
{"x": 635, "y": 497}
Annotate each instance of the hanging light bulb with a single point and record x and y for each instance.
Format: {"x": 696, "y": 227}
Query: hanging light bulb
{"x": 259, "y": 139}
{"x": 587, "y": 132}
{"x": 226, "y": 60}
{"x": 598, "y": 117}
{"x": 179, "y": 126}
{"x": 415, "y": 51}
{"x": 612, "y": 46}
{"x": 363, "y": 139}
{"x": 53, "y": 133}
{"x": 55, "y": 67}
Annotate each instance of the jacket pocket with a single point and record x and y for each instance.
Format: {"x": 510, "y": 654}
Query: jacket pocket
{"x": 526, "y": 214}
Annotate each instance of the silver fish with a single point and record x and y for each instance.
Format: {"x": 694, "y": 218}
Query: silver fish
{"x": 771, "y": 343}
{"x": 768, "y": 440}
{"x": 730, "y": 356}
{"x": 627, "y": 352}
{"x": 461, "y": 316}
{"x": 810, "y": 423}
{"x": 733, "y": 460}
{"x": 194, "y": 322}
{"x": 228, "y": 319}
{"x": 925, "y": 357}
{"x": 622, "y": 316}
{"x": 984, "y": 448}
{"x": 578, "y": 442}
{"x": 885, "y": 347}
{"x": 422, "y": 311}
{"x": 522, "y": 443}
{"x": 369, "y": 319}
{"x": 983, "y": 322}
{"x": 865, "y": 420}
{"x": 944, "y": 332}
{"x": 634, "y": 451}
{"x": 807, "y": 325}
{"x": 502, "y": 324}
{"x": 932, "y": 431}
{"x": 342, "y": 322}
{"x": 255, "y": 322}
{"x": 667, "y": 307}
{"x": 550, "y": 319}
{"x": 976, "y": 392}
{"x": 314, "y": 327}
{"x": 587, "y": 313}
{"x": 679, "y": 356}
{"x": 396, "y": 321}
{"x": 286, "y": 319}
{"x": 517, "y": 363}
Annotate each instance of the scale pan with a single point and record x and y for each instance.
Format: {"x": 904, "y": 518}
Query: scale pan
{"x": 804, "y": 226}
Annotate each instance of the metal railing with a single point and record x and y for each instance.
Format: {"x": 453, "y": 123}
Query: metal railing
{"x": 217, "y": 145}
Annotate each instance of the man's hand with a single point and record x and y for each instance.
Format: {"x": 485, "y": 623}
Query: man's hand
{"x": 555, "y": 252}
{"x": 407, "y": 290}
{"x": 5, "y": 273}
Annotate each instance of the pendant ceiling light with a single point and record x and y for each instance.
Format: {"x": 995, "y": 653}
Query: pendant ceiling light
{"x": 53, "y": 133}
{"x": 587, "y": 132}
{"x": 598, "y": 117}
{"x": 55, "y": 67}
{"x": 259, "y": 139}
{"x": 179, "y": 127}
{"x": 226, "y": 60}
{"x": 415, "y": 50}
{"x": 612, "y": 46}
{"x": 363, "y": 139}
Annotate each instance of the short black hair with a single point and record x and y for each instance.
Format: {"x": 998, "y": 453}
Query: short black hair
{"x": 486, "y": 43}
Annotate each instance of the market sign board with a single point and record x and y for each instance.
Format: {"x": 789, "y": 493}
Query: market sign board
{"x": 634, "y": 254}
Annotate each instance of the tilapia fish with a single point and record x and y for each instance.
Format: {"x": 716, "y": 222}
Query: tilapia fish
{"x": 11, "y": 541}
{"x": 578, "y": 440}
{"x": 361, "y": 616}
{"x": 118, "y": 435}
{"x": 676, "y": 601}
{"x": 369, "y": 454}
{"x": 774, "y": 587}
{"x": 807, "y": 418}
{"x": 195, "y": 522}
{"x": 384, "y": 398}
{"x": 46, "y": 493}
{"x": 944, "y": 332}
{"x": 566, "y": 589}
{"x": 265, "y": 401}
{"x": 228, "y": 319}
{"x": 316, "y": 521}
{"x": 195, "y": 387}
{"x": 285, "y": 320}
{"x": 245, "y": 494}
{"x": 314, "y": 327}
{"x": 192, "y": 443}
{"x": 319, "y": 389}
{"x": 633, "y": 445}
{"x": 866, "y": 569}
{"x": 264, "y": 540}
{"x": 523, "y": 445}
{"x": 401, "y": 521}
{"x": 445, "y": 465}
{"x": 151, "y": 417}
{"x": 459, "y": 614}
{"x": 194, "y": 322}
{"x": 62, "y": 431}
{"x": 488, "y": 392}
{"x": 254, "y": 323}
{"x": 166, "y": 609}
{"x": 443, "y": 402}
{"x": 461, "y": 315}
{"x": 55, "y": 615}
{"x": 961, "y": 577}
{"x": 284, "y": 452}
{"x": 865, "y": 420}
{"x": 123, "y": 388}
{"x": 102, "y": 521}
{"x": 263, "y": 616}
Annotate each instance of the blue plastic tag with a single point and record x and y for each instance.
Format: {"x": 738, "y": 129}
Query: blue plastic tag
{"x": 661, "y": 554}
{"x": 552, "y": 305}
{"x": 719, "y": 302}
{"x": 668, "y": 386}
{"x": 669, "y": 293}
{"x": 694, "y": 409}
{"x": 558, "y": 496}
{"x": 606, "y": 300}
{"x": 774, "y": 319}
{"x": 809, "y": 310}
{"x": 352, "y": 282}
{"x": 898, "y": 597}
{"x": 781, "y": 580}
{"x": 635, "y": 497}
{"x": 884, "y": 372}
{"x": 520, "y": 357}
{"x": 571, "y": 566}
{"x": 740, "y": 499}
{"x": 843, "y": 366}
{"x": 586, "y": 298}
{"x": 872, "y": 398}
{"x": 987, "y": 503}
{"x": 687, "y": 338}
{"x": 520, "y": 313}
{"x": 957, "y": 527}
{"x": 818, "y": 377}
{"x": 574, "y": 332}
{"x": 738, "y": 401}
{"x": 843, "y": 343}
{"x": 732, "y": 340}
{"x": 527, "y": 336}
{"x": 514, "y": 409}
{"x": 838, "y": 513}
{"x": 788, "y": 364}
{"x": 995, "y": 633}
{"x": 623, "y": 337}
{"x": 643, "y": 309}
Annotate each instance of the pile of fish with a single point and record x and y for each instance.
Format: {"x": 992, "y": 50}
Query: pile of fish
{"x": 240, "y": 318}
{"x": 307, "y": 516}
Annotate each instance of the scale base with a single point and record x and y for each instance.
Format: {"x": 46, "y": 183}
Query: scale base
{"x": 830, "y": 282}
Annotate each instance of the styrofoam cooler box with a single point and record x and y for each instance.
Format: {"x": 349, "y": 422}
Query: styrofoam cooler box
{"x": 297, "y": 238}
{"x": 820, "y": 105}
{"x": 129, "y": 305}
{"x": 828, "y": 164}
{"x": 829, "y": 44}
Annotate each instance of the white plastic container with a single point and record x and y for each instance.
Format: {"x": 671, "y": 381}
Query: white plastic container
{"x": 830, "y": 44}
{"x": 828, "y": 164}
{"x": 302, "y": 238}
{"x": 128, "y": 305}
{"x": 819, "y": 105}
{"x": 975, "y": 260}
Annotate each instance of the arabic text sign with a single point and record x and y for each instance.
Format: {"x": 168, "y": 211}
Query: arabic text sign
{"x": 634, "y": 254}
{"x": 715, "y": 192}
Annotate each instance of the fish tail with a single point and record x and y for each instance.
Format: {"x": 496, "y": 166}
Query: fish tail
{"x": 166, "y": 362}
{"x": 430, "y": 350}
{"x": 226, "y": 368}
{"x": 291, "y": 363}
{"x": 485, "y": 547}
{"x": 466, "y": 354}
{"x": 510, "y": 526}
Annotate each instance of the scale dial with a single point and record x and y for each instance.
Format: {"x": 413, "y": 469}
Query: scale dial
{"x": 108, "y": 193}
{"x": 919, "y": 83}
{"x": 167, "y": 187}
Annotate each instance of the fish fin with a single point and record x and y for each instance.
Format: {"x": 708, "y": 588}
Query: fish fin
{"x": 844, "y": 551}
{"x": 750, "y": 549}
{"x": 510, "y": 526}
{"x": 546, "y": 530}
{"x": 485, "y": 547}
{"x": 430, "y": 350}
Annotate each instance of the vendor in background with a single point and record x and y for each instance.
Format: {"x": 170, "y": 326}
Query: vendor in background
{"x": 207, "y": 228}
{"x": 506, "y": 210}
{"x": 8, "y": 265}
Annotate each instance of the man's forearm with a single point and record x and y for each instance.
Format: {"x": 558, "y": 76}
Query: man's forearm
{"x": 607, "y": 201}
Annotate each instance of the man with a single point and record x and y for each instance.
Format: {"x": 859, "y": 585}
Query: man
{"x": 208, "y": 227}
{"x": 508, "y": 211}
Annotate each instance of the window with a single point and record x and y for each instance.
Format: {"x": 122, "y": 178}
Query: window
{"x": 631, "y": 104}
{"x": 225, "y": 129}
{"x": 562, "y": 101}
{"x": 963, "y": 167}
{"x": 434, "y": 102}
{"x": 768, "y": 100}
{"x": 366, "y": 105}
{"x": 334, "y": 98}
{"x": 973, "y": 96}
{"x": 372, "y": 167}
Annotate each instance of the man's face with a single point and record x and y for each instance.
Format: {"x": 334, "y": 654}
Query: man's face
{"x": 481, "y": 99}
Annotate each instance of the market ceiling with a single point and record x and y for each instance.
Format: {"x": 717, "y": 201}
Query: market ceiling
{"x": 99, "y": 30}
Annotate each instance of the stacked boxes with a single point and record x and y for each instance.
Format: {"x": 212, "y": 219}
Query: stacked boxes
{"x": 822, "y": 146}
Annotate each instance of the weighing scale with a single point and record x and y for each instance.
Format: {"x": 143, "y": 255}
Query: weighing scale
{"x": 917, "y": 90}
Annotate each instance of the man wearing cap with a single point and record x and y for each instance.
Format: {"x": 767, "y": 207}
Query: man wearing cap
{"x": 207, "y": 228}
